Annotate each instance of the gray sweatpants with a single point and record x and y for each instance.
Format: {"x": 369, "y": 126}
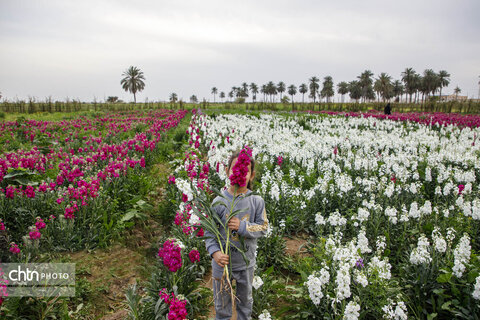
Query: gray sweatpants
{"x": 223, "y": 301}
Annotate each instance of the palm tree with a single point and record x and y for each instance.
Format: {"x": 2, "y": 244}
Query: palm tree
{"x": 303, "y": 89}
{"x": 230, "y": 94}
{"x": 222, "y": 95}
{"x": 244, "y": 89}
{"x": 314, "y": 86}
{"x": 355, "y": 90}
{"x": 214, "y": 92}
{"x": 408, "y": 78}
{"x": 133, "y": 81}
{"x": 281, "y": 88}
{"x": 193, "y": 99}
{"x": 398, "y": 89}
{"x": 271, "y": 90}
{"x": 417, "y": 83}
{"x": 366, "y": 85}
{"x": 292, "y": 90}
{"x": 430, "y": 81}
{"x": 457, "y": 90}
{"x": 263, "y": 90}
{"x": 383, "y": 85}
{"x": 444, "y": 80}
{"x": 173, "y": 97}
{"x": 342, "y": 88}
{"x": 327, "y": 90}
{"x": 254, "y": 91}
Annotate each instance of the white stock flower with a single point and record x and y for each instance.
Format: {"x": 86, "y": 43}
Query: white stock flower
{"x": 362, "y": 242}
{"x": 335, "y": 219}
{"x": 265, "y": 315}
{"x": 461, "y": 255}
{"x": 257, "y": 282}
{"x": 360, "y": 278}
{"x": 395, "y": 311}
{"x": 315, "y": 283}
{"x": 343, "y": 282}
{"x": 420, "y": 254}
{"x": 351, "y": 311}
{"x": 438, "y": 241}
{"x": 476, "y": 290}
{"x": 391, "y": 213}
{"x": 362, "y": 214}
{"x": 382, "y": 267}
{"x": 319, "y": 219}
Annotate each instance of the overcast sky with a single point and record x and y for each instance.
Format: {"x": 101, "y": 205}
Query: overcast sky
{"x": 79, "y": 49}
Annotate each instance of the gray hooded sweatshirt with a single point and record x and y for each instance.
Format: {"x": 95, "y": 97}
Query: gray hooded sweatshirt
{"x": 253, "y": 225}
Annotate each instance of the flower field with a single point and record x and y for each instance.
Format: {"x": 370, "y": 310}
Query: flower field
{"x": 391, "y": 210}
{"x": 65, "y": 185}
{"x": 387, "y": 209}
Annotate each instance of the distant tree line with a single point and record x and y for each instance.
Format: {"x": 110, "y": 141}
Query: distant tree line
{"x": 365, "y": 88}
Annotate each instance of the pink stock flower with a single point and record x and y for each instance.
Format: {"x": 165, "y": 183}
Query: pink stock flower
{"x": 184, "y": 197}
{"x": 177, "y": 307}
{"x": 460, "y": 188}
{"x": 171, "y": 180}
{"x": 279, "y": 160}
{"x": 40, "y": 224}
{"x": 194, "y": 256}
{"x": 34, "y": 234}
{"x": 240, "y": 169}
{"x": 14, "y": 248}
{"x": 2, "y": 226}
{"x": 170, "y": 253}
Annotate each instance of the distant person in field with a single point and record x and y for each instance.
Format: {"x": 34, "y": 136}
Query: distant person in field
{"x": 388, "y": 109}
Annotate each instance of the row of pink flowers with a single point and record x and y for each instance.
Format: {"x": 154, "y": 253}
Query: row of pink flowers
{"x": 98, "y": 160}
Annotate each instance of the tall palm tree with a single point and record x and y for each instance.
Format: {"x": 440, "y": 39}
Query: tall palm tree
{"x": 271, "y": 90}
{"x": 292, "y": 90}
{"x": 222, "y": 95}
{"x": 408, "y": 78}
{"x": 417, "y": 84}
{"x": 303, "y": 89}
{"x": 263, "y": 90}
{"x": 281, "y": 88}
{"x": 214, "y": 92}
{"x": 254, "y": 91}
{"x": 173, "y": 97}
{"x": 244, "y": 89}
{"x": 342, "y": 88}
{"x": 366, "y": 85}
{"x": 383, "y": 85}
{"x": 398, "y": 89}
{"x": 444, "y": 80}
{"x": 355, "y": 90}
{"x": 457, "y": 90}
{"x": 313, "y": 86}
{"x": 133, "y": 81}
{"x": 327, "y": 90}
{"x": 430, "y": 81}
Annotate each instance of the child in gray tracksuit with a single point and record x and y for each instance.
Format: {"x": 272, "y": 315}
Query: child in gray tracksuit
{"x": 250, "y": 225}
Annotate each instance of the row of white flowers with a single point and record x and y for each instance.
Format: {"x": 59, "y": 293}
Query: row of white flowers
{"x": 407, "y": 173}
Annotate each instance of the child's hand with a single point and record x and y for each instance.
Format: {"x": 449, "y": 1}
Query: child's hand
{"x": 234, "y": 224}
{"x": 220, "y": 258}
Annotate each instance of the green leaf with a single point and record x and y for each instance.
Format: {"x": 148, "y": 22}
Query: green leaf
{"x": 132, "y": 214}
{"x": 431, "y": 316}
{"x": 444, "y": 278}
